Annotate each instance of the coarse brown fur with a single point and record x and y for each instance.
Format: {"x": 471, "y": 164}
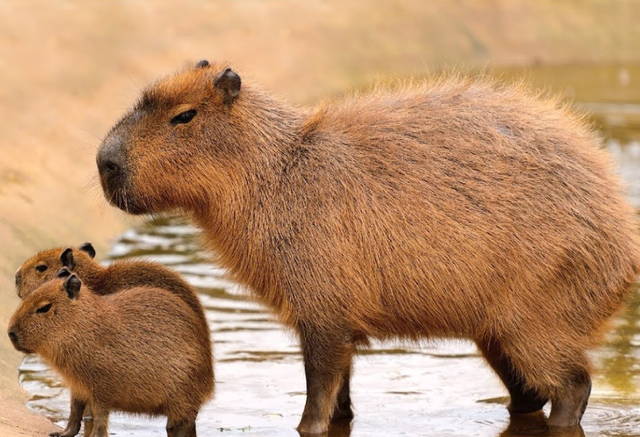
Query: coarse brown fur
{"x": 84, "y": 337}
{"x": 447, "y": 208}
{"x": 119, "y": 275}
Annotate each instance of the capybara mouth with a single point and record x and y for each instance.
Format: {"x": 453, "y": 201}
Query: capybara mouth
{"x": 126, "y": 203}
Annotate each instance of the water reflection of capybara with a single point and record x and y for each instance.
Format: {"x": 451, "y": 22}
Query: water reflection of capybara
{"x": 448, "y": 208}
{"x": 139, "y": 350}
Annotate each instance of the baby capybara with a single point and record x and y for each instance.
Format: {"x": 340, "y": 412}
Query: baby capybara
{"x": 101, "y": 280}
{"x": 449, "y": 208}
{"x": 139, "y": 350}
{"x": 117, "y": 276}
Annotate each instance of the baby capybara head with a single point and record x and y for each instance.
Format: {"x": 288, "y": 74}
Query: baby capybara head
{"x": 45, "y": 314}
{"x": 154, "y": 158}
{"x": 45, "y": 266}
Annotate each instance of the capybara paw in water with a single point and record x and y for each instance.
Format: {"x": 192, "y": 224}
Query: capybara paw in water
{"x": 140, "y": 350}
{"x": 452, "y": 207}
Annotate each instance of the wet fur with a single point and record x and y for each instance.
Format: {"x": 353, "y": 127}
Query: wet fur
{"x": 453, "y": 208}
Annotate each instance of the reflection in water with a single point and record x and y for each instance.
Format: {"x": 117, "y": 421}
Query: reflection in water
{"x": 439, "y": 388}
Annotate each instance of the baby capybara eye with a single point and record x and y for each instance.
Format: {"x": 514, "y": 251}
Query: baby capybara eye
{"x": 184, "y": 117}
{"x": 42, "y": 268}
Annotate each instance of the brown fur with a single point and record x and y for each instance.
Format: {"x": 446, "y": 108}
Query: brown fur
{"x": 117, "y": 276}
{"x": 448, "y": 208}
{"x": 167, "y": 370}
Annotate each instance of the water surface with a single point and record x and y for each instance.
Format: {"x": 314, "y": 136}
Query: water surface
{"x": 434, "y": 389}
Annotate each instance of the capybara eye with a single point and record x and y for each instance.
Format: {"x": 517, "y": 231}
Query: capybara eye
{"x": 41, "y": 268}
{"x": 44, "y": 308}
{"x": 184, "y": 117}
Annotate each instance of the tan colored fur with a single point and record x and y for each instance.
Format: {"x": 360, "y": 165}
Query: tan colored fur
{"x": 139, "y": 350}
{"x": 447, "y": 208}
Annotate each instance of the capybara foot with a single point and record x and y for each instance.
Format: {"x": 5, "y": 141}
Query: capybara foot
{"x": 181, "y": 428}
{"x": 311, "y": 426}
{"x": 69, "y": 431}
{"x": 528, "y": 402}
{"x": 568, "y": 408}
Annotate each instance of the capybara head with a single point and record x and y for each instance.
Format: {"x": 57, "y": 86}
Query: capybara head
{"x": 45, "y": 266}
{"x": 165, "y": 152}
{"x": 44, "y": 315}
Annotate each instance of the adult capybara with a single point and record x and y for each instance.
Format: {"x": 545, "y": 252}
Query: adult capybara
{"x": 452, "y": 208}
{"x": 138, "y": 350}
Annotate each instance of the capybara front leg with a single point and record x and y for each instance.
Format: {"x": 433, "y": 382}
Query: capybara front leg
{"x": 327, "y": 356}
{"x": 100, "y": 420}
{"x": 343, "y": 410}
{"x": 569, "y": 405}
{"x": 523, "y": 399}
{"x": 75, "y": 418}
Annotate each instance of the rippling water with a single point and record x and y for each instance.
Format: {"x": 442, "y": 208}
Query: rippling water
{"x": 439, "y": 389}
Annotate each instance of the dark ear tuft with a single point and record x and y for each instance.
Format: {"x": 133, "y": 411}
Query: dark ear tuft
{"x": 88, "y": 247}
{"x": 229, "y": 83}
{"x": 63, "y": 273}
{"x": 67, "y": 259}
{"x": 202, "y": 64}
{"x": 72, "y": 286}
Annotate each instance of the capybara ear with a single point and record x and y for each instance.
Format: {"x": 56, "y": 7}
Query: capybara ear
{"x": 67, "y": 259}
{"x": 63, "y": 273}
{"x": 72, "y": 286}
{"x": 88, "y": 247}
{"x": 202, "y": 64}
{"x": 229, "y": 83}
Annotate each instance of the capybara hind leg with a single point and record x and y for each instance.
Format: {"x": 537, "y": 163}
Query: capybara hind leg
{"x": 326, "y": 359}
{"x": 567, "y": 407}
{"x": 181, "y": 427}
{"x": 100, "y": 421}
{"x": 75, "y": 418}
{"x": 343, "y": 410}
{"x": 523, "y": 399}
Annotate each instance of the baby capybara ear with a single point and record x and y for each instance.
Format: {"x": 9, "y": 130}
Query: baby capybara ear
{"x": 67, "y": 259}
{"x": 64, "y": 273}
{"x": 229, "y": 83}
{"x": 72, "y": 286}
{"x": 202, "y": 64}
{"x": 88, "y": 247}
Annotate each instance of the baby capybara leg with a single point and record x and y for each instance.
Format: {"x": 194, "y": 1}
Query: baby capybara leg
{"x": 183, "y": 427}
{"x": 75, "y": 418}
{"x": 523, "y": 399}
{"x": 568, "y": 405}
{"x": 343, "y": 410}
{"x": 327, "y": 357}
{"x": 100, "y": 420}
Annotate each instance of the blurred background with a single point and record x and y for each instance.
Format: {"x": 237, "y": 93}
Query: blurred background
{"x": 69, "y": 69}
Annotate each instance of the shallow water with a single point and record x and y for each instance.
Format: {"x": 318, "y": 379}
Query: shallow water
{"x": 437, "y": 389}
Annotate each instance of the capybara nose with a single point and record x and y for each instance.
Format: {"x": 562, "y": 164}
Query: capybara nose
{"x": 108, "y": 164}
{"x": 18, "y": 278}
{"x": 110, "y": 158}
{"x": 13, "y": 335}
